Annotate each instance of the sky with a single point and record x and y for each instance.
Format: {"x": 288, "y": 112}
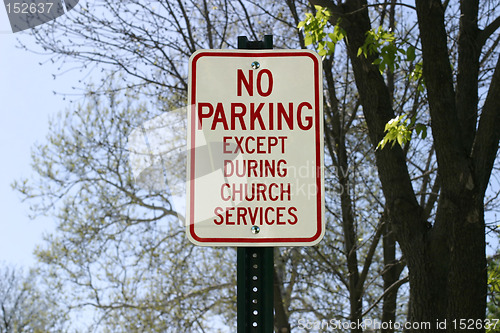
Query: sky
{"x": 26, "y": 102}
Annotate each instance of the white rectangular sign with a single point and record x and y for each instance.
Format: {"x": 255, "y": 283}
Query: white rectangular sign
{"x": 255, "y": 148}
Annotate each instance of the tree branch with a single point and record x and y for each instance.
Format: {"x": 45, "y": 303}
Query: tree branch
{"x": 369, "y": 255}
{"x": 487, "y": 32}
{"x": 450, "y": 152}
{"x": 395, "y": 285}
{"x": 488, "y": 134}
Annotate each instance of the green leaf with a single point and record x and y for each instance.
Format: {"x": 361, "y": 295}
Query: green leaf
{"x": 400, "y": 139}
{"x": 410, "y": 53}
{"x": 331, "y": 46}
{"x": 382, "y": 143}
{"x": 421, "y": 130}
{"x": 308, "y": 40}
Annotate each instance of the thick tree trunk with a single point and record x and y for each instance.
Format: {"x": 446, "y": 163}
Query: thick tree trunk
{"x": 454, "y": 116}
{"x": 445, "y": 259}
{"x": 427, "y": 270}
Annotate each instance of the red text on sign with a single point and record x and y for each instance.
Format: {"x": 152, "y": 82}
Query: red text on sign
{"x": 247, "y": 82}
{"x": 253, "y": 145}
{"x": 255, "y": 168}
{"x": 253, "y": 116}
{"x": 255, "y": 215}
{"x": 255, "y": 192}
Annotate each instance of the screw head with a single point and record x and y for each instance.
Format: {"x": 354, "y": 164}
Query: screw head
{"x": 255, "y": 229}
{"x": 255, "y": 65}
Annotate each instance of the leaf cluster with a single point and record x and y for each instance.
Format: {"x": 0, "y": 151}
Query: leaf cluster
{"x": 314, "y": 30}
{"x": 400, "y": 129}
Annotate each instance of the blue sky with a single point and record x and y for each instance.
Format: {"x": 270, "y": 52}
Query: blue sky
{"x": 27, "y": 101}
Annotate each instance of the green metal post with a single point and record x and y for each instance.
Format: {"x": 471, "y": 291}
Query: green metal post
{"x": 255, "y": 265}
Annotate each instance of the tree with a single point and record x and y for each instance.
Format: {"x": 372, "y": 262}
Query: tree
{"x": 26, "y": 306}
{"x": 121, "y": 251}
{"x": 446, "y": 257}
{"x": 89, "y": 201}
{"x": 354, "y": 272}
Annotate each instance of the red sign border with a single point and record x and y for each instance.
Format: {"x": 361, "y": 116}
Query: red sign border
{"x": 319, "y": 202}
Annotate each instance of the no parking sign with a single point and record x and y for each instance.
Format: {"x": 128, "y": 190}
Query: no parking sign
{"x": 255, "y": 148}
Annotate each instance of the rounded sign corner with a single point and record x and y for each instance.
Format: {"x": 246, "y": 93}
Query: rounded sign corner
{"x": 195, "y": 240}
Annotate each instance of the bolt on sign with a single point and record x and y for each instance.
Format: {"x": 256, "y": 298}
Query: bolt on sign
{"x": 255, "y": 148}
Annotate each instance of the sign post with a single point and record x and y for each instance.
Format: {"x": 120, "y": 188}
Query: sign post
{"x": 255, "y": 265}
{"x": 255, "y": 161}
